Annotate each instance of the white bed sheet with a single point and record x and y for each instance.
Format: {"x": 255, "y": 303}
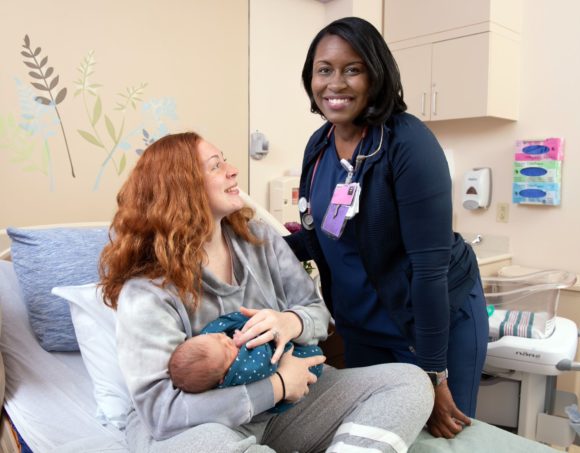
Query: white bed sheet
{"x": 49, "y": 396}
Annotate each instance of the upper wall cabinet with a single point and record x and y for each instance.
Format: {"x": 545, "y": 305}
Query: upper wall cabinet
{"x": 467, "y": 77}
{"x": 460, "y": 65}
{"x": 407, "y": 19}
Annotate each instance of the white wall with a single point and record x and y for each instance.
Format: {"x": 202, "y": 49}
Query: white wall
{"x": 279, "y": 106}
{"x": 540, "y": 236}
{"x": 550, "y": 45}
{"x": 371, "y": 10}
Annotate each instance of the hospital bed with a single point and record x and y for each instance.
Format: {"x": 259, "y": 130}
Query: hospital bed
{"x": 55, "y": 401}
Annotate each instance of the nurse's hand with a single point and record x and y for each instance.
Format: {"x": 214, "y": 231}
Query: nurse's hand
{"x": 269, "y": 325}
{"x": 446, "y": 419}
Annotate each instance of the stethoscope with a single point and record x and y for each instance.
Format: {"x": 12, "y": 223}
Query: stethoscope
{"x": 304, "y": 204}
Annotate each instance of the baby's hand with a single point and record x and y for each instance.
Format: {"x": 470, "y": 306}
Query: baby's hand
{"x": 236, "y": 337}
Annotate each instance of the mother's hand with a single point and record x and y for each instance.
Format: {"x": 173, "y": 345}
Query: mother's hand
{"x": 268, "y": 325}
{"x": 296, "y": 374}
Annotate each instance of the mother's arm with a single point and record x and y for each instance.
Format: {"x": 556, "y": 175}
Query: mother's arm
{"x": 148, "y": 330}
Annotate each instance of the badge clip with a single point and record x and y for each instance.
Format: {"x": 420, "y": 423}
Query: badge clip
{"x": 349, "y": 168}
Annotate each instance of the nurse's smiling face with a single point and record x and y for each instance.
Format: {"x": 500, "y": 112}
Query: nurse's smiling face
{"x": 340, "y": 81}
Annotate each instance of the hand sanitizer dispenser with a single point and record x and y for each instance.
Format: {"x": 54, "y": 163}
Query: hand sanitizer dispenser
{"x": 477, "y": 188}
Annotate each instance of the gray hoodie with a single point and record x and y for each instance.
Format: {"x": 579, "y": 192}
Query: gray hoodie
{"x": 152, "y": 322}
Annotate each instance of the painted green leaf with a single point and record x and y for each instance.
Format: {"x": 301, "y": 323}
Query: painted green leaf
{"x": 122, "y": 164}
{"x": 121, "y": 131}
{"x": 37, "y": 51}
{"x": 39, "y": 86}
{"x": 35, "y": 75}
{"x": 60, "y": 96}
{"x": 43, "y": 61}
{"x": 54, "y": 83}
{"x": 97, "y": 110}
{"x": 30, "y": 168}
{"x": 90, "y": 138}
{"x": 110, "y": 128}
{"x": 48, "y": 72}
{"x": 42, "y": 100}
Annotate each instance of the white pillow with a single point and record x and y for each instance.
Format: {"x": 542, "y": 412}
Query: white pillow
{"x": 94, "y": 324}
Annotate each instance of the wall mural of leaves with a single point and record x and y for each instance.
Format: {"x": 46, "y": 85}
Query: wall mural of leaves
{"x": 99, "y": 119}
{"x": 42, "y": 74}
{"x": 26, "y": 137}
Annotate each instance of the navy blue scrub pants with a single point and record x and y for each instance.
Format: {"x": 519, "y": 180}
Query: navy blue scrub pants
{"x": 468, "y": 336}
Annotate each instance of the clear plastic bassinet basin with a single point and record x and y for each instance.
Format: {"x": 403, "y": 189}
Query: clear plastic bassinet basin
{"x": 524, "y": 305}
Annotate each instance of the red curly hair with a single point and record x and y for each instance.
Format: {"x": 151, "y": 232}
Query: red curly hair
{"x": 162, "y": 222}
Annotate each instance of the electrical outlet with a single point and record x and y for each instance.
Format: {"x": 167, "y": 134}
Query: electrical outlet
{"x": 503, "y": 212}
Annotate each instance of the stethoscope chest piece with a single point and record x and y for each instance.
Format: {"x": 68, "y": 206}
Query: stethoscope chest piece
{"x": 302, "y": 204}
{"x": 308, "y": 221}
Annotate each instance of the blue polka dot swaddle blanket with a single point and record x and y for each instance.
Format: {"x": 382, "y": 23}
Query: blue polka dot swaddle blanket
{"x": 254, "y": 364}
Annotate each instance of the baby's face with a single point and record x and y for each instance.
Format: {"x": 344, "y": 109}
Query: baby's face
{"x": 222, "y": 350}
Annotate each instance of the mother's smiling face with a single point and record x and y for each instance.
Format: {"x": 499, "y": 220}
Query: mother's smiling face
{"x": 220, "y": 181}
{"x": 340, "y": 80}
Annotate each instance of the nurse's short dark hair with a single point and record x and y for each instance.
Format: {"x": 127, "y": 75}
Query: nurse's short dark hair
{"x": 385, "y": 88}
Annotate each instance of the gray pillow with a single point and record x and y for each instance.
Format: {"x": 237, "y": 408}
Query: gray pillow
{"x": 45, "y": 258}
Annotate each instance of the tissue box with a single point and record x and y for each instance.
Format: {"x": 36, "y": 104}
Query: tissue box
{"x": 536, "y": 193}
{"x": 549, "y": 171}
{"x": 533, "y": 150}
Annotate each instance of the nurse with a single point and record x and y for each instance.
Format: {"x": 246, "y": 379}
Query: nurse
{"x": 376, "y": 215}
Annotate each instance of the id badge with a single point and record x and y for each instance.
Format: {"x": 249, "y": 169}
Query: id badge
{"x": 341, "y": 203}
{"x": 344, "y": 194}
{"x": 335, "y": 220}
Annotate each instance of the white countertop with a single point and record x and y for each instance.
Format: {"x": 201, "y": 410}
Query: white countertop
{"x": 494, "y": 249}
{"x": 490, "y": 248}
{"x": 491, "y": 256}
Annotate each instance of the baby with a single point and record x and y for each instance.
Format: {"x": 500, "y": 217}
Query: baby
{"x": 211, "y": 359}
{"x": 202, "y": 362}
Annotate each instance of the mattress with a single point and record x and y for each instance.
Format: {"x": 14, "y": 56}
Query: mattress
{"x": 49, "y": 396}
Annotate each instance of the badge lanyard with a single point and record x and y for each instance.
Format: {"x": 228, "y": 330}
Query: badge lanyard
{"x": 345, "y": 199}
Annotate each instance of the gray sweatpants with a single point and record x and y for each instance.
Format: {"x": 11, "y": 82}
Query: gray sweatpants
{"x": 364, "y": 410}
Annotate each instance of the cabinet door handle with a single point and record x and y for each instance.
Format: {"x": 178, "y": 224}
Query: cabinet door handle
{"x": 434, "y": 103}
{"x": 423, "y": 98}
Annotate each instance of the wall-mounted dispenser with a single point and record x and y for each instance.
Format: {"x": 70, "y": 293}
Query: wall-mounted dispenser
{"x": 259, "y": 145}
{"x": 284, "y": 198}
{"x": 477, "y": 188}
